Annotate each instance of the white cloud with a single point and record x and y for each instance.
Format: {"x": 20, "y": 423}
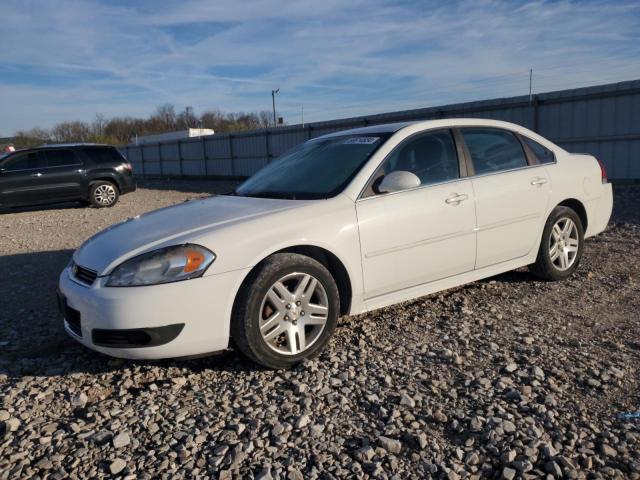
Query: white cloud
{"x": 71, "y": 59}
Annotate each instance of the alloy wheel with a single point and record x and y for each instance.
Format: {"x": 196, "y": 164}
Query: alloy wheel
{"x": 563, "y": 243}
{"x": 105, "y": 194}
{"x": 293, "y": 314}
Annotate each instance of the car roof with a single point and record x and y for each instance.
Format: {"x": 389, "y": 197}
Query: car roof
{"x": 55, "y": 145}
{"x": 71, "y": 145}
{"x": 439, "y": 123}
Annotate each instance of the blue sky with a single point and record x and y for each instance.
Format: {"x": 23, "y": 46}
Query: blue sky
{"x": 71, "y": 59}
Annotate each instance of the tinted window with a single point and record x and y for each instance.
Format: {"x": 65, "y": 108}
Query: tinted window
{"x": 543, "y": 154}
{"x": 431, "y": 157}
{"x": 57, "y": 158}
{"x": 24, "y": 161}
{"x": 104, "y": 155}
{"x": 493, "y": 150}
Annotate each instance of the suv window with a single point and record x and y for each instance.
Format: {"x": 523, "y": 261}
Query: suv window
{"x": 23, "y": 161}
{"x": 543, "y": 154}
{"x": 59, "y": 158}
{"x": 104, "y": 154}
{"x": 432, "y": 157}
{"x": 493, "y": 150}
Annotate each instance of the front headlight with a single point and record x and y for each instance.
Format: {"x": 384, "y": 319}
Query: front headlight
{"x": 165, "y": 265}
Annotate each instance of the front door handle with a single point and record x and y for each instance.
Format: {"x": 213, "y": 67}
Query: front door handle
{"x": 539, "y": 181}
{"x": 36, "y": 174}
{"x": 455, "y": 199}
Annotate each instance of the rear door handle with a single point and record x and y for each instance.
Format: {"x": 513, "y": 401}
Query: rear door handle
{"x": 36, "y": 174}
{"x": 455, "y": 199}
{"x": 538, "y": 181}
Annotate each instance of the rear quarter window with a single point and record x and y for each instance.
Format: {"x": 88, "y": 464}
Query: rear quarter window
{"x": 104, "y": 155}
{"x": 543, "y": 154}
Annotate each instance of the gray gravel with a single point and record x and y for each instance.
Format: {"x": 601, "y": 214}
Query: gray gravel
{"x": 504, "y": 378}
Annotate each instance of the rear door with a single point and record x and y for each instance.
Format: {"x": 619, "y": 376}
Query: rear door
{"x": 64, "y": 173}
{"x": 21, "y": 179}
{"x": 511, "y": 195}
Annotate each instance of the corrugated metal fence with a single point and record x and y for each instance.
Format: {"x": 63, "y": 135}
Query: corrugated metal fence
{"x": 602, "y": 120}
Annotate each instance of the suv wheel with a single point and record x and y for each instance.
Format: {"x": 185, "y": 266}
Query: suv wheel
{"x": 286, "y": 311}
{"x": 103, "y": 194}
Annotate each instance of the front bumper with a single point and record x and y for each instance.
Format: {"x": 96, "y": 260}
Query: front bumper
{"x": 201, "y": 307}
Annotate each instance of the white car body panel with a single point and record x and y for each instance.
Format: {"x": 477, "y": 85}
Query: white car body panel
{"x": 510, "y": 212}
{"x": 394, "y": 247}
{"x": 413, "y": 237}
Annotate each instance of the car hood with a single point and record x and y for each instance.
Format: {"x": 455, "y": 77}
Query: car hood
{"x": 171, "y": 226}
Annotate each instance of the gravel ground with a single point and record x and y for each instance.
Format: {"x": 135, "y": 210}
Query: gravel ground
{"x": 505, "y": 378}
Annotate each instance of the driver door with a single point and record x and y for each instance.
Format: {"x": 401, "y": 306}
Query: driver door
{"x": 21, "y": 178}
{"x": 416, "y": 236}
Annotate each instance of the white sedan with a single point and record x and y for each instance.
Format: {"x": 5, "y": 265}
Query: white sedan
{"x": 342, "y": 224}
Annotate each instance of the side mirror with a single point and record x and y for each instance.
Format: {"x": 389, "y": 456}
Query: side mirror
{"x": 398, "y": 181}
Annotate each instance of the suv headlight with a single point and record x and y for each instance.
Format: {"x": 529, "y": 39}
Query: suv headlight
{"x": 165, "y": 265}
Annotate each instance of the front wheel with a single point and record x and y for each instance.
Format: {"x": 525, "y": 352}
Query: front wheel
{"x": 561, "y": 246}
{"x": 286, "y": 311}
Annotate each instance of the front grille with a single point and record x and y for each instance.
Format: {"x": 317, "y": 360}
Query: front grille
{"x": 84, "y": 275}
{"x": 72, "y": 316}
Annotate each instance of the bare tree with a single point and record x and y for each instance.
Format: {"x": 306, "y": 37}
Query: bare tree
{"x": 121, "y": 130}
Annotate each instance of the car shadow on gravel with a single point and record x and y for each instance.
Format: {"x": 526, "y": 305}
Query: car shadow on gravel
{"x": 38, "y": 208}
{"x": 513, "y": 276}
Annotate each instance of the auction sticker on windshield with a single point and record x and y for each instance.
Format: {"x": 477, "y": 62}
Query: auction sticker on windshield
{"x": 361, "y": 140}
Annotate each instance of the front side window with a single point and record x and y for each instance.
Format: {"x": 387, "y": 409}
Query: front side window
{"x": 543, "y": 154}
{"x": 493, "y": 150}
{"x": 59, "y": 158}
{"x": 319, "y": 168}
{"x": 431, "y": 157}
{"x": 24, "y": 161}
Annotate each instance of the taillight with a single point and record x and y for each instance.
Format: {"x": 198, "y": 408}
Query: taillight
{"x": 603, "y": 172}
{"x": 127, "y": 166}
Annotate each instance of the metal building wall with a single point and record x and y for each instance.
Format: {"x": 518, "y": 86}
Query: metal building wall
{"x": 603, "y": 120}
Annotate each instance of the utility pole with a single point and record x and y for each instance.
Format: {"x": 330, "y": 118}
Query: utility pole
{"x": 273, "y": 102}
{"x": 302, "y": 109}
{"x": 188, "y": 113}
{"x": 530, "y": 85}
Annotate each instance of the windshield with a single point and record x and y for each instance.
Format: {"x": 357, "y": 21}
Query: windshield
{"x": 319, "y": 168}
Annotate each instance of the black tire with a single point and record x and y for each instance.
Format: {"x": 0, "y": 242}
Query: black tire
{"x": 103, "y": 194}
{"x": 545, "y": 267}
{"x": 248, "y": 309}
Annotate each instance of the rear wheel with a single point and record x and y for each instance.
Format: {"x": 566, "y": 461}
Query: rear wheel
{"x": 561, "y": 246}
{"x": 286, "y": 311}
{"x": 103, "y": 194}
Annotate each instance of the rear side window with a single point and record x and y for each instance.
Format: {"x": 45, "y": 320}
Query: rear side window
{"x": 24, "y": 161}
{"x": 493, "y": 150}
{"x": 543, "y": 154}
{"x": 104, "y": 155}
{"x": 59, "y": 158}
{"x": 432, "y": 157}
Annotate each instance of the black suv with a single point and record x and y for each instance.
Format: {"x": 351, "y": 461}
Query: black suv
{"x": 95, "y": 174}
